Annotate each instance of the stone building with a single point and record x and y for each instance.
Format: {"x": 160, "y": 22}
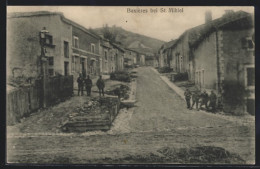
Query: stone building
{"x": 24, "y": 49}
{"x": 165, "y": 54}
{"x": 130, "y": 57}
{"x": 217, "y": 53}
{"x": 70, "y": 48}
{"x": 223, "y": 55}
{"x": 86, "y": 51}
{"x": 107, "y": 52}
{"x": 118, "y": 57}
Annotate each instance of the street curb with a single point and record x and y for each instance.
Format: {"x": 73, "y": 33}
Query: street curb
{"x": 178, "y": 90}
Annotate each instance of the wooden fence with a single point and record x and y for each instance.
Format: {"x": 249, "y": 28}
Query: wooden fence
{"x": 23, "y": 101}
{"x": 58, "y": 88}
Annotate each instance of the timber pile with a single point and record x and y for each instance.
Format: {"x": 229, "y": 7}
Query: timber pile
{"x": 96, "y": 114}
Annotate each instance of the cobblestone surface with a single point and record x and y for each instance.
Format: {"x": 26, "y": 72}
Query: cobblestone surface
{"x": 159, "y": 119}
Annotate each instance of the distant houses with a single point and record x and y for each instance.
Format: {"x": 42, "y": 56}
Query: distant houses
{"x": 219, "y": 56}
{"x": 130, "y": 57}
{"x": 69, "y": 47}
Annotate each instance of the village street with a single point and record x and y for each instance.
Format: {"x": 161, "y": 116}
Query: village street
{"x": 159, "y": 120}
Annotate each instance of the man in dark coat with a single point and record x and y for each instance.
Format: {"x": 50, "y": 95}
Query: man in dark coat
{"x": 101, "y": 85}
{"x": 204, "y": 99}
{"x": 213, "y": 100}
{"x": 88, "y": 83}
{"x": 195, "y": 99}
{"x": 187, "y": 95}
{"x": 80, "y": 81}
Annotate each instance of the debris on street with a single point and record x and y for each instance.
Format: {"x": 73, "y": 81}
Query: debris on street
{"x": 96, "y": 114}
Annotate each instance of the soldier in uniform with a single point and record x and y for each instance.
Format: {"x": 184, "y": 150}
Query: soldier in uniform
{"x": 213, "y": 100}
{"x": 101, "y": 85}
{"x": 204, "y": 99}
{"x": 88, "y": 83}
{"x": 195, "y": 99}
{"x": 187, "y": 95}
{"x": 80, "y": 81}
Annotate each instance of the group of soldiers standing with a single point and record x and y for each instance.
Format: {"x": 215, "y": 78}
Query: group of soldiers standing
{"x": 87, "y": 83}
{"x": 202, "y": 98}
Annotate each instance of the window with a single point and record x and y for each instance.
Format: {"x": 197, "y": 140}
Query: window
{"x": 66, "y": 49}
{"x": 66, "y": 68}
{"x": 76, "y": 42}
{"x": 250, "y": 73}
{"x": 51, "y": 72}
{"x": 51, "y": 61}
{"x": 48, "y": 39}
{"x": 92, "y": 48}
{"x": 73, "y": 63}
{"x": 247, "y": 43}
{"x": 105, "y": 55}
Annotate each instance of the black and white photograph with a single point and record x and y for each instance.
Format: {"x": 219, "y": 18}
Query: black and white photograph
{"x": 130, "y": 85}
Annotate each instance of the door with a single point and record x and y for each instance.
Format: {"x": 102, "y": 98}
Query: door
{"x": 66, "y": 68}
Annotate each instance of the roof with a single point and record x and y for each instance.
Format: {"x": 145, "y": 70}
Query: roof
{"x": 29, "y": 14}
{"x": 43, "y": 13}
{"x": 169, "y": 44}
{"x": 131, "y": 50}
{"x": 198, "y": 33}
{"x": 118, "y": 47}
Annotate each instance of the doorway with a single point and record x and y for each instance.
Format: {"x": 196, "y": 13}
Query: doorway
{"x": 66, "y": 68}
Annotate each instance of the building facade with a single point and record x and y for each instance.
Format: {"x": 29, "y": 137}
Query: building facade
{"x": 226, "y": 58}
{"x": 70, "y": 48}
{"x": 118, "y": 57}
{"x": 217, "y": 54}
{"x": 86, "y": 57}
{"x": 24, "y": 49}
{"x": 130, "y": 57}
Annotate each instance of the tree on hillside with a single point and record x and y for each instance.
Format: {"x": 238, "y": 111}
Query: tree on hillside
{"x": 109, "y": 33}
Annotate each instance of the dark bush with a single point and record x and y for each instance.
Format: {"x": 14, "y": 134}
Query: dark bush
{"x": 123, "y": 76}
{"x": 129, "y": 66}
{"x": 181, "y": 77}
{"x": 165, "y": 69}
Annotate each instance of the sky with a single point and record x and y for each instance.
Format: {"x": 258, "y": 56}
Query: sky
{"x": 164, "y": 26}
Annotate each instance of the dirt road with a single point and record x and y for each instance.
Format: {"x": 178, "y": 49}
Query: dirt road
{"x": 160, "y": 120}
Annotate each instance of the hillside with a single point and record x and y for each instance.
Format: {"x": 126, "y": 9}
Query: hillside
{"x": 134, "y": 41}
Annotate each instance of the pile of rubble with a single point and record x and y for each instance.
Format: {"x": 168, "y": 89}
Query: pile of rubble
{"x": 96, "y": 114}
{"x": 122, "y": 91}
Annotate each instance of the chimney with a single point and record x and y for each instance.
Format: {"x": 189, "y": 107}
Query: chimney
{"x": 208, "y": 16}
{"x": 228, "y": 12}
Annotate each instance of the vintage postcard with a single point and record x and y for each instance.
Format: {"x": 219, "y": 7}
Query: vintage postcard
{"x": 130, "y": 85}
